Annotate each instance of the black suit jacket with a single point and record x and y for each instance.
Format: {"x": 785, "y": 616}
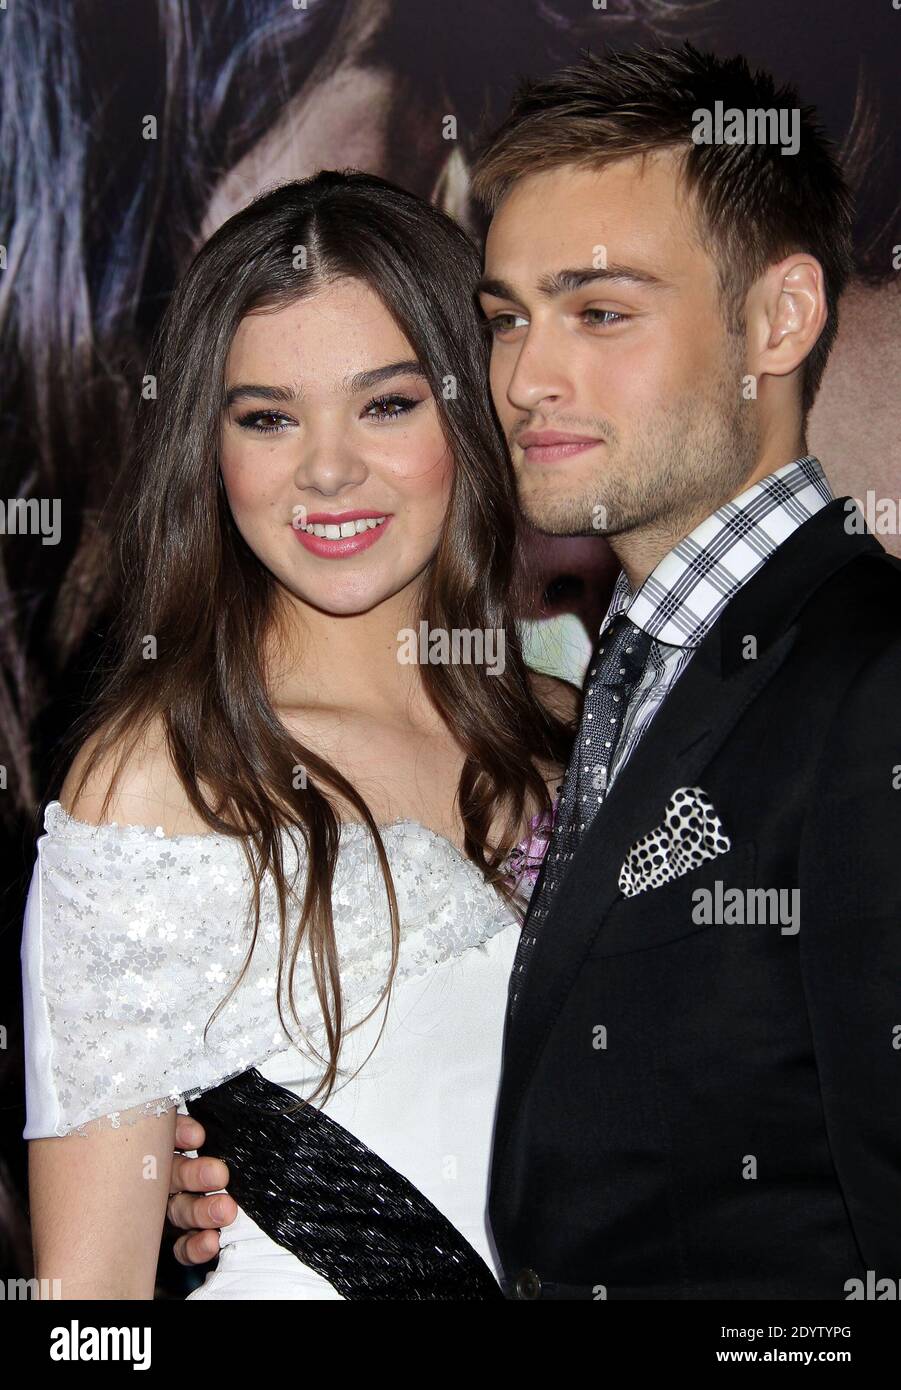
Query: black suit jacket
{"x": 739, "y": 1136}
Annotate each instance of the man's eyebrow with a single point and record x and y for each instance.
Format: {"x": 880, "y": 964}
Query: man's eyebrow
{"x": 568, "y": 281}
{"x": 362, "y": 381}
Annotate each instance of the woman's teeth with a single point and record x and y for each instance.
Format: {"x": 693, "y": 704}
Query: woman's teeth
{"x": 346, "y": 529}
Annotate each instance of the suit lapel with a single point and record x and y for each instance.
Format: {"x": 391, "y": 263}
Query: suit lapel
{"x": 694, "y": 721}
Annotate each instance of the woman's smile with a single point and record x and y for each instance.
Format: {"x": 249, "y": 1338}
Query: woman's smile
{"x": 338, "y": 535}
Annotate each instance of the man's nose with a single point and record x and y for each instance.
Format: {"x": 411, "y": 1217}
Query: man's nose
{"x": 540, "y": 373}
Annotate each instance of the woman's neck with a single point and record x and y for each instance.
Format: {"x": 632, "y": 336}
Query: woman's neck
{"x": 346, "y": 661}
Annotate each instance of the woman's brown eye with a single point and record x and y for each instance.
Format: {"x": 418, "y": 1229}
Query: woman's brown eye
{"x": 262, "y": 421}
{"x": 380, "y": 406}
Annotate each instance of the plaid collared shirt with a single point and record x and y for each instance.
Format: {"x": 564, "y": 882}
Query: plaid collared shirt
{"x": 684, "y": 595}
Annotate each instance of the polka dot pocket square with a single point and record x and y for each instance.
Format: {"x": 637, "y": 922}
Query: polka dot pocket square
{"x": 691, "y": 832}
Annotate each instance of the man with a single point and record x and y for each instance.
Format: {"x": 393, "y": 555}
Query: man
{"x": 699, "y": 1096}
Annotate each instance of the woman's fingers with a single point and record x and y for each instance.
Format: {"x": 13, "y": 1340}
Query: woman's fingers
{"x": 196, "y": 1248}
{"x": 189, "y": 1133}
{"x": 198, "y": 1174}
{"x": 206, "y": 1213}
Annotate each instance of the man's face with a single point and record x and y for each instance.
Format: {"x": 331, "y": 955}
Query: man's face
{"x": 619, "y": 389}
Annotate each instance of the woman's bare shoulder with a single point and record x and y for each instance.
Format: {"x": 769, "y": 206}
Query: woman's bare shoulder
{"x": 147, "y": 790}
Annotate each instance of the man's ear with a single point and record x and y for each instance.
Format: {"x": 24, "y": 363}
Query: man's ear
{"x": 786, "y": 312}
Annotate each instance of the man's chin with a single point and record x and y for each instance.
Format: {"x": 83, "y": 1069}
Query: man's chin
{"x": 550, "y": 521}
{"x": 562, "y": 529}
{"x": 556, "y": 508}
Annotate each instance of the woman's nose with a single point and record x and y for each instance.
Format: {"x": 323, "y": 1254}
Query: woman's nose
{"x": 328, "y": 463}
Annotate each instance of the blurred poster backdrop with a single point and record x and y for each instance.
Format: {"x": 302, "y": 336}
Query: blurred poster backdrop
{"x": 132, "y": 128}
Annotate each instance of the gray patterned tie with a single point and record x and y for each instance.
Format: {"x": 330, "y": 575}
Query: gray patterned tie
{"x": 614, "y": 671}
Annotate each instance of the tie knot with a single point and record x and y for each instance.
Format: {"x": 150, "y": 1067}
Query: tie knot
{"x": 622, "y": 654}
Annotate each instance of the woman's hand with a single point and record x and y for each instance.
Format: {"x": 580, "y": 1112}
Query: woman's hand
{"x": 201, "y": 1217}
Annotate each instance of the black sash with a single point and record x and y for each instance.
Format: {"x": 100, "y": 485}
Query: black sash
{"x": 342, "y": 1210}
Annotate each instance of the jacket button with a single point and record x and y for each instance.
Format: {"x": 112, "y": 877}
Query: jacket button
{"x": 527, "y": 1285}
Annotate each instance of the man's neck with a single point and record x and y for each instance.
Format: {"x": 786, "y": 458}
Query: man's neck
{"x": 639, "y": 552}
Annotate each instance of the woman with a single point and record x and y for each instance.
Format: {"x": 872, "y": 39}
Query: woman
{"x": 281, "y": 862}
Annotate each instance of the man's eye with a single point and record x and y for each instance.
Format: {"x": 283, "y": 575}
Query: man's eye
{"x": 260, "y": 421}
{"x": 390, "y": 407}
{"x": 504, "y": 323}
{"x": 603, "y": 318}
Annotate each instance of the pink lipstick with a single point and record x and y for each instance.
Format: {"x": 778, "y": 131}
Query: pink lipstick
{"x": 335, "y": 535}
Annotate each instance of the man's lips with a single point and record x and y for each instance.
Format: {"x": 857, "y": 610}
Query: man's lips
{"x": 545, "y": 446}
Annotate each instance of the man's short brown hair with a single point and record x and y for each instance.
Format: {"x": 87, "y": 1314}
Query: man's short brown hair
{"x": 755, "y": 204}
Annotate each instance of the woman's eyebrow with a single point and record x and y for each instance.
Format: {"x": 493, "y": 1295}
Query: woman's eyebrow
{"x": 362, "y": 381}
{"x": 285, "y": 394}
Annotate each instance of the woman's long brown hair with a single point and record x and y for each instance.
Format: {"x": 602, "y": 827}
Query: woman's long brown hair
{"x": 190, "y": 582}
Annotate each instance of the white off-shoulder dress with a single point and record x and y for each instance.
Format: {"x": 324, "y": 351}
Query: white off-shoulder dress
{"x": 132, "y": 938}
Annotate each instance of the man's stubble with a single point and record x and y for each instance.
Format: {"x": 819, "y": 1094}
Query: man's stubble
{"x": 673, "y": 469}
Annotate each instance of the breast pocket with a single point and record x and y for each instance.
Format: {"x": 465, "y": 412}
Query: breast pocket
{"x": 693, "y": 902}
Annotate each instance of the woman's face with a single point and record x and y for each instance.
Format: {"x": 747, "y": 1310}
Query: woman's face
{"x": 332, "y": 453}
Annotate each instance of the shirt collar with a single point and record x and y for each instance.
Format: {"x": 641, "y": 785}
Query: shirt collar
{"x": 684, "y": 595}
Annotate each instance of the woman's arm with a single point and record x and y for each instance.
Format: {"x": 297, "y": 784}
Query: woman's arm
{"x": 98, "y": 1205}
